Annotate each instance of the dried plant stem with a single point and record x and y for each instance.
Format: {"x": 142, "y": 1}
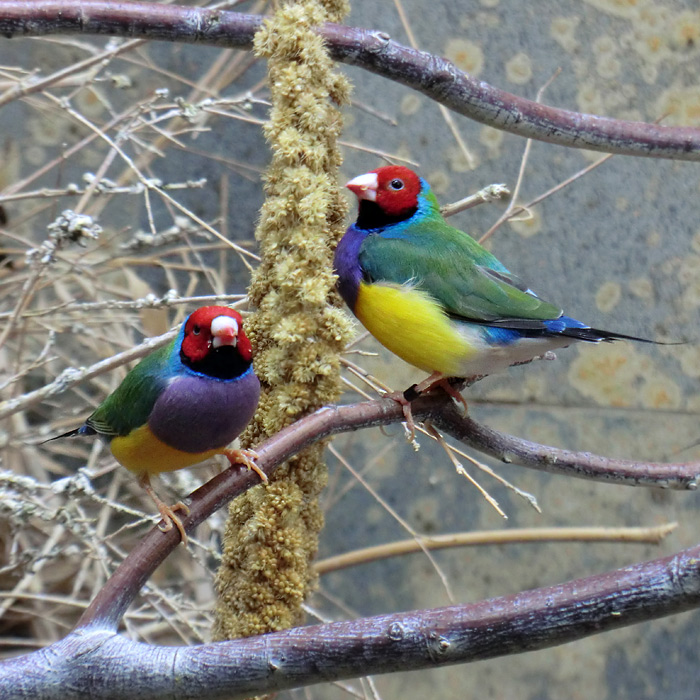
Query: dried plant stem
{"x": 25, "y": 89}
{"x": 642, "y": 535}
{"x": 490, "y": 193}
{"x": 451, "y": 125}
{"x": 138, "y": 189}
{"x": 430, "y": 430}
{"x": 509, "y": 213}
{"x": 149, "y": 184}
{"x": 168, "y": 300}
{"x": 71, "y": 377}
{"x": 417, "y": 539}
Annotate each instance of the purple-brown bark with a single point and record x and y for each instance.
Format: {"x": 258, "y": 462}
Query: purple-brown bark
{"x": 371, "y": 50}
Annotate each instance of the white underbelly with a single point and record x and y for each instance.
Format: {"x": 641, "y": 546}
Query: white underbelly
{"x": 489, "y": 358}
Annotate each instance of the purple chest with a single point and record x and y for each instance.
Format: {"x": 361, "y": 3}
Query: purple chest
{"x": 347, "y": 265}
{"x": 197, "y": 413}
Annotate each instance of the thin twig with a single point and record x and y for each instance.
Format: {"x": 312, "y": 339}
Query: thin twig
{"x": 490, "y": 193}
{"x": 508, "y": 213}
{"x": 71, "y": 377}
{"x": 404, "y": 524}
{"x": 459, "y": 468}
{"x": 641, "y": 535}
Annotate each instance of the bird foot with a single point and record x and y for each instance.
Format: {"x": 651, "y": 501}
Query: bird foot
{"x": 404, "y": 398}
{"x": 457, "y": 397}
{"x": 437, "y": 379}
{"x": 166, "y": 512}
{"x": 247, "y": 458}
{"x": 170, "y": 519}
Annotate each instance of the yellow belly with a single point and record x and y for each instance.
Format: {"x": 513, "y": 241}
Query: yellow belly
{"x": 143, "y": 453}
{"x": 412, "y": 325}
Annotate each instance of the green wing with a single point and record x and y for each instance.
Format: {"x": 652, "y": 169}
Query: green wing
{"x": 451, "y": 266}
{"x": 130, "y": 404}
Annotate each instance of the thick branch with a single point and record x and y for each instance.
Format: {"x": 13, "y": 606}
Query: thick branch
{"x": 374, "y": 51}
{"x": 115, "y": 597}
{"x": 100, "y": 665}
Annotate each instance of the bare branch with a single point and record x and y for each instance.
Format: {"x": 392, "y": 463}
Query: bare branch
{"x": 582, "y": 465}
{"x": 117, "y": 594}
{"x": 371, "y": 50}
{"x": 83, "y": 664}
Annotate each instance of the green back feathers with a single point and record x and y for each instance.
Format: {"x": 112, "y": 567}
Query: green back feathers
{"x": 131, "y": 403}
{"x": 451, "y": 266}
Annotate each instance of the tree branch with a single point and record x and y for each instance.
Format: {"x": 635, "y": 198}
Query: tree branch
{"x": 582, "y": 465}
{"x": 117, "y": 594}
{"x": 435, "y": 77}
{"x": 95, "y": 662}
{"x": 101, "y": 665}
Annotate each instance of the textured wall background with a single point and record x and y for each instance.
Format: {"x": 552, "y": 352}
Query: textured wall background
{"x": 619, "y": 249}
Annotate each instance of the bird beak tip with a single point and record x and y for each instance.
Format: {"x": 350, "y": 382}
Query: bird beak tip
{"x": 364, "y": 186}
{"x": 224, "y": 331}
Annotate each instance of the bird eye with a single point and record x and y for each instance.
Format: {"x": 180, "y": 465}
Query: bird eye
{"x": 396, "y": 184}
{"x": 196, "y": 330}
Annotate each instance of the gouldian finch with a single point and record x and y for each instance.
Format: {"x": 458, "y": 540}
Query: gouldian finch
{"x": 433, "y": 296}
{"x": 182, "y": 404}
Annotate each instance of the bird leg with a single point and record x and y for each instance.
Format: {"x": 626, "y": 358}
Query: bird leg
{"x": 413, "y": 392}
{"x": 167, "y": 512}
{"x": 441, "y": 380}
{"x": 247, "y": 458}
{"x": 451, "y": 391}
{"x": 416, "y": 390}
{"x": 404, "y": 398}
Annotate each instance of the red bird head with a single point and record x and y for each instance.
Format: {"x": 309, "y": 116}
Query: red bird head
{"x": 394, "y": 189}
{"x": 210, "y": 328}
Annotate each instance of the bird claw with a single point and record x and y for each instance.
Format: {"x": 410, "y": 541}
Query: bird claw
{"x": 246, "y": 458}
{"x": 438, "y": 379}
{"x": 167, "y": 513}
{"x": 415, "y": 390}
{"x": 170, "y": 519}
{"x": 404, "y": 398}
{"x": 457, "y": 397}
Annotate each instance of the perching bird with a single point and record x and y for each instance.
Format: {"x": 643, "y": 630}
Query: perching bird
{"x": 182, "y": 404}
{"x": 433, "y": 296}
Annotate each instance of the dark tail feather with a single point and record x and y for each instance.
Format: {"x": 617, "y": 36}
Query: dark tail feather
{"x": 595, "y": 335}
{"x": 82, "y": 430}
{"x": 568, "y": 327}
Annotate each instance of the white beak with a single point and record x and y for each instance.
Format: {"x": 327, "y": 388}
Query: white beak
{"x": 224, "y": 331}
{"x": 365, "y": 186}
